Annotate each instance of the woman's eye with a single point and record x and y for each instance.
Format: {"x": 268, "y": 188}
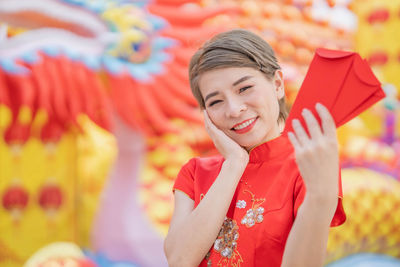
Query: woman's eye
{"x": 244, "y": 88}
{"x": 214, "y": 102}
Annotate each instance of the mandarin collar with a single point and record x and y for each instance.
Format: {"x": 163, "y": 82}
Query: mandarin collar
{"x": 279, "y": 146}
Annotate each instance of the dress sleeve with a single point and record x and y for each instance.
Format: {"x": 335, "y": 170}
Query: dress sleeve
{"x": 300, "y": 191}
{"x": 185, "y": 179}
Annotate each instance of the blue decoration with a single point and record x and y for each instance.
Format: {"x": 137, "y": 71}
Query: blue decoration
{"x": 71, "y": 54}
{"x": 97, "y": 6}
{"x": 92, "y": 63}
{"x": 139, "y": 72}
{"x": 157, "y": 22}
{"x": 366, "y": 260}
{"x": 112, "y": 65}
{"x": 160, "y": 57}
{"x": 76, "y": 2}
{"x": 30, "y": 57}
{"x": 9, "y": 66}
{"x": 51, "y": 51}
{"x": 153, "y": 67}
{"x": 102, "y": 261}
{"x": 161, "y": 43}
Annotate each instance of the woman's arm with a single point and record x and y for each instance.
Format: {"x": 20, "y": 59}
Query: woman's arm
{"x": 307, "y": 241}
{"x": 318, "y": 162}
{"x": 193, "y": 231}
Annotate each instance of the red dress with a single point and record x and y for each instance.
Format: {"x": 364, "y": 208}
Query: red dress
{"x": 263, "y": 207}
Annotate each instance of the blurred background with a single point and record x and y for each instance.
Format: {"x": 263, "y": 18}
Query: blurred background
{"x": 97, "y": 117}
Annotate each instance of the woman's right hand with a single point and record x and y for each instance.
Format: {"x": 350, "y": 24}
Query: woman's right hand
{"x": 228, "y": 148}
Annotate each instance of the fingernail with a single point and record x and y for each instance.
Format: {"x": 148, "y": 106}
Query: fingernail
{"x": 306, "y": 112}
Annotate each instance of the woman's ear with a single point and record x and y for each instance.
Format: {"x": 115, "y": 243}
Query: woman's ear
{"x": 279, "y": 84}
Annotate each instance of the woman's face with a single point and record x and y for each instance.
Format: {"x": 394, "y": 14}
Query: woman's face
{"x": 243, "y": 103}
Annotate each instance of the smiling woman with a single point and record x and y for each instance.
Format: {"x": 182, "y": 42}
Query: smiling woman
{"x": 246, "y": 108}
{"x": 242, "y": 207}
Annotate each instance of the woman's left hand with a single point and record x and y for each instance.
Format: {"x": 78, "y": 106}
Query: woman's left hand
{"x": 317, "y": 154}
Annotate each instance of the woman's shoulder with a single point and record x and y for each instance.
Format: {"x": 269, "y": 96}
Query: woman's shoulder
{"x": 206, "y": 163}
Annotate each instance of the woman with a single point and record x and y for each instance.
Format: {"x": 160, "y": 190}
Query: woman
{"x": 242, "y": 208}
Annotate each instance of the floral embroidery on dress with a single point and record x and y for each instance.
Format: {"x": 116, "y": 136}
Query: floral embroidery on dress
{"x": 226, "y": 244}
{"x": 255, "y": 213}
{"x": 241, "y": 204}
{"x": 209, "y": 262}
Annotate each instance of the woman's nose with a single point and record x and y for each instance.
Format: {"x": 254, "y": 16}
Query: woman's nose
{"x": 235, "y": 108}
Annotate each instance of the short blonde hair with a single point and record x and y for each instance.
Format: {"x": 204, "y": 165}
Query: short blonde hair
{"x": 235, "y": 48}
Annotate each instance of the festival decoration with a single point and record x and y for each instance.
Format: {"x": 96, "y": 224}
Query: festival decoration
{"x": 15, "y": 200}
{"x": 379, "y": 20}
{"x": 111, "y": 89}
{"x": 350, "y": 88}
{"x": 60, "y": 254}
{"x": 50, "y": 198}
{"x": 83, "y": 84}
{"x": 292, "y": 31}
{"x": 366, "y": 231}
{"x": 363, "y": 259}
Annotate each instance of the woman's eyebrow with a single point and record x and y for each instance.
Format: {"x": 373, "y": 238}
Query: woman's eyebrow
{"x": 242, "y": 80}
{"x": 210, "y": 95}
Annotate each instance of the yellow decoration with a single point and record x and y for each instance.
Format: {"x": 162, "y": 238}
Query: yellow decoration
{"x": 158, "y": 176}
{"x": 55, "y": 250}
{"x": 96, "y": 154}
{"x": 79, "y": 164}
{"x": 40, "y": 119}
{"x": 371, "y": 201}
{"x": 24, "y": 115}
{"x": 34, "y": 167}
{"x": 379, "y": 36}
{"x": 5, "y": 117}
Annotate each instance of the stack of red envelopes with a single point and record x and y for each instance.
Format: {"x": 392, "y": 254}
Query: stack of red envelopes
{"x": 342, "y": 81}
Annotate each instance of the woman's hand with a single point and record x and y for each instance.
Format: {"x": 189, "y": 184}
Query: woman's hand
{"x": 317, "y": 155}
{"x": 228, "y": 148}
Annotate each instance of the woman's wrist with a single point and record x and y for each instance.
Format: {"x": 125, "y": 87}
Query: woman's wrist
{"x": 236, "y": 165}
{"x": 321, "y": 204}
{"x": 237, "y": 162}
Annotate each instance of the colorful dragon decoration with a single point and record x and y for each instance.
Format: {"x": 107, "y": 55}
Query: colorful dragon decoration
{"x": 94, "y": 100}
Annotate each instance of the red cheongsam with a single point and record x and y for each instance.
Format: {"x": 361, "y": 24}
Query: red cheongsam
{"x": 263, "y": 207}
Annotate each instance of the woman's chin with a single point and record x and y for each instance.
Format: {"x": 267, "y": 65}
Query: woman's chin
{"x": 248, "y": 146}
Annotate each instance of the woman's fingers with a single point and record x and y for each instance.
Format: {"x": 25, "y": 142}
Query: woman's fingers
{"x": 210, "y": 127}
{"x": 294, "y": 141}
{"x": 301, "y": 134}
{"x": 312, "y": 124}
{"x": 328, "y": 123}
{"x": 328, "y": 128}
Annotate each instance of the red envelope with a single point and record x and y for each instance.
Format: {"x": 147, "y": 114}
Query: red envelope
{"x": 341, "y": 81}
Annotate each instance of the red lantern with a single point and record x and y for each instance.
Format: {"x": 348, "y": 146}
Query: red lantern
{"x": 50, "y": 197}
{"x": 379, "y": 15}
{"x": 378, "y": 58}
{"x": 15, "y": 199}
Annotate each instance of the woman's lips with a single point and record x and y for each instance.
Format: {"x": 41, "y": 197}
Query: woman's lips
{"x": 245, "y": 126}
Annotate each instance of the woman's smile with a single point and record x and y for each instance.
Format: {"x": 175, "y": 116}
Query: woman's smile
{"x": 244, "y": 126}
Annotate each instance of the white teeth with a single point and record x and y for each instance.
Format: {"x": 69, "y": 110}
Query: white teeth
{"x": 244, "y": 124}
